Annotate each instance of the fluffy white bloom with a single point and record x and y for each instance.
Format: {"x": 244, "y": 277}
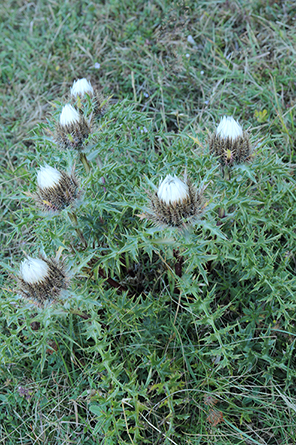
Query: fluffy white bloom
{"x": 80, "y": 87}
{"x": 229, "y": 127}
{"x": 172, "y": 189}
{"x": 48, "y": 177}
{"x": 33, "y": 270}
{"x": 69, "y": 115}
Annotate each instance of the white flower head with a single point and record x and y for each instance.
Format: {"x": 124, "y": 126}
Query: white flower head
{"x": 33, "y": 270}
{"x": 172, "y": 189}
{"x": 229, "y": 127}
{"x": 80, "y": 87}
{"x": 48, "y": 177}
{"x": 69, "y": 115}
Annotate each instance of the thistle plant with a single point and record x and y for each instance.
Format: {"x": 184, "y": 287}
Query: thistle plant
{"x": 188, "y": 336}
{"x": 150, "y": 293}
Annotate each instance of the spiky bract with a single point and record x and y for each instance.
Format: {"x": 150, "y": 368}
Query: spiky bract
{"x": 177, "y": 213}
{"x": 42, "y": 280}
{"x": 231, "y": 151}
{"x": 230, "y": 143}
{"x": 99, "y": 104}
{"x": 60, "y": 194}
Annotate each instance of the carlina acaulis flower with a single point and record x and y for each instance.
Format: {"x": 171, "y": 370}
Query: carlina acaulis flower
{"x": 230, "y": 143}
{"x": 42, "y": 280}
{"x": 72, "y": 129}
{"x": 175, "y": 203}
{"x": 56, "y": 189}
{"x": 83, "y": 87}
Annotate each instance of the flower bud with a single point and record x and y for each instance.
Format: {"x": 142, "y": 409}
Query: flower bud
{"x": 229, "y": 128}
{"x": 42, "y": 280}
{"x": 69, "y": 116}
{"x": 55, "y": 189}
{"x": 72, "y": 128}
{"x": 175, "y": 203}
{"x": 230, "y": 143}
{"x": 33, "y": 270}
{"x": 81, "y": 87}
{"x": 172, "y": 190}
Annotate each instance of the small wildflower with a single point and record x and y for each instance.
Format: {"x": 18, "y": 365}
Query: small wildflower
{"x": 81, "y": 87}
{"x": 230, "y": 143}
{"x": 143, "y": 130}
{"x": 41, "y": 280}
{"x": 175, "y": 203}
{"x": 72, "y": 128}
{"x": 25, "y": 392}
{"x": 56, "y": 189}
{"x": 191, "y": 40}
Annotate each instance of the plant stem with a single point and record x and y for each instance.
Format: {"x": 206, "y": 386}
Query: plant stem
{"x": 178, "y": 271}
{"x": 179, "y": 263}
{"x": 226, "y": 172}
{"x": 85, "y": 162}
{"x": 73, "y": 219}
{"x": 80, "y": 314}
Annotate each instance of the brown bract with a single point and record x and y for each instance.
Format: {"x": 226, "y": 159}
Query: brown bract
{"x": 72, "y": 135}
{"x": 100, "y": 103}
{"x": 231, "y": 151}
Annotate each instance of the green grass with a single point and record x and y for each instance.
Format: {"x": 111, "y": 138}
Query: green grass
{"x": 162, "y": 357}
